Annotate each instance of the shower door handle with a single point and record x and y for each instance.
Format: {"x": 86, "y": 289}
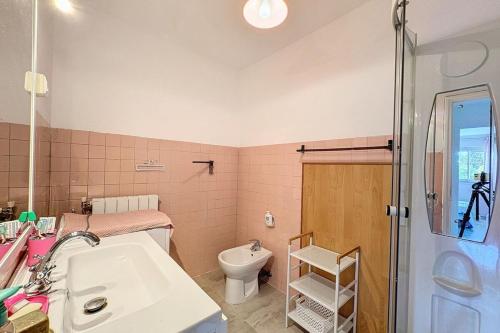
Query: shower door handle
{"x": 393, "y": 211}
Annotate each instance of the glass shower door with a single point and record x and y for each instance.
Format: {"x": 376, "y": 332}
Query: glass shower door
{"x": 402, "y": 170}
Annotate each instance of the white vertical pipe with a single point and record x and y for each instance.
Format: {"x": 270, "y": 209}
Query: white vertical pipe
{"x": 34, "y": 53}
{"x": 310, "y": 243}
{"x": 289, "y": 272}
{"x": 337, "y": 288}
{"x": 356, "y": 275}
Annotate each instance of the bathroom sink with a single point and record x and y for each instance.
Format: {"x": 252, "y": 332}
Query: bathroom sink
{"x": 144, "y": 288}
{"x": 126, "y": 277}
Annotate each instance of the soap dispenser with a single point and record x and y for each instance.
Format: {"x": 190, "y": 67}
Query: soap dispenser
{"x": 6, "y": 326}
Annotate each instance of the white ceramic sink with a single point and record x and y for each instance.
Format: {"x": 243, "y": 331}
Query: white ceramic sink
{"x": 124, "y": 274}
{"x": 146, "y": 290}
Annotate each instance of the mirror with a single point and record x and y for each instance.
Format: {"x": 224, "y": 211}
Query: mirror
{"x": 15, "y": 61}
{"x": 15, "y": 124}
{"x": 461, "y": 163}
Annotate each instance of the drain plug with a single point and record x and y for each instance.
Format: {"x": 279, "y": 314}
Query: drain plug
{"x": 95, "y": 305}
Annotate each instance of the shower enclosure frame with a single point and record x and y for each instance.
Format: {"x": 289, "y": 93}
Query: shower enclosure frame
{"x": 405, "y": 42}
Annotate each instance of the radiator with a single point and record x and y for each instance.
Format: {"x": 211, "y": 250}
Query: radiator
{"x": 124, "y": 204}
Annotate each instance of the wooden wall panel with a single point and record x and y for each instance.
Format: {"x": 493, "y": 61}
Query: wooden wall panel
{"x": 345, "y": 206}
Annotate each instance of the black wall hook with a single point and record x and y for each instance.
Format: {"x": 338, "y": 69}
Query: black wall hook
{"x": 210, "y": 165}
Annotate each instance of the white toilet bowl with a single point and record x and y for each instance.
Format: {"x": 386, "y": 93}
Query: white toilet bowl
{"x": 242, "y": 267}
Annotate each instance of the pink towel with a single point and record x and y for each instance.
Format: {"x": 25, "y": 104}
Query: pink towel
{"x": 116, "y": 224}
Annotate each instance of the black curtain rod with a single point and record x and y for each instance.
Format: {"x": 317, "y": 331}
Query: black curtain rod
{"x": 303, "y": 149}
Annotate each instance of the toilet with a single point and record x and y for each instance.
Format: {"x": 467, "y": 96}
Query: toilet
{"x": 242, "y": 266}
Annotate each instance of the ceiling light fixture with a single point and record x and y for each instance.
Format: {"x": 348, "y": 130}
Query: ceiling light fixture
{"x": 265, "y": 14}
{"x": 64, "y": 6}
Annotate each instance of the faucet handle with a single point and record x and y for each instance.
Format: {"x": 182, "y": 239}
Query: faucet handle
{"x": 255, "y": 241}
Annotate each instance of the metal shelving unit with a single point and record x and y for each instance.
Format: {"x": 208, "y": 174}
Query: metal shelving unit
{"x": 318, "y": 299}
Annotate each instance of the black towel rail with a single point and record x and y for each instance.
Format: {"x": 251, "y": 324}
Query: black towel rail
{"x": 210, "y": 165}
{"x": 303, "y": 149}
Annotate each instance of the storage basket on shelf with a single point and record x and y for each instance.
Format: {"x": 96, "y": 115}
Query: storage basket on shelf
{"x": 317, "y": 317}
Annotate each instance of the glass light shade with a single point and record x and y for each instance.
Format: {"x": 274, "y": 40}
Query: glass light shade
{"x": 64, "y": 6}
{"x": 265, "y": 14}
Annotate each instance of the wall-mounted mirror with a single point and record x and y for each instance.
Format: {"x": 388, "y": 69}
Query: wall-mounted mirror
{"x": 15, "y": 123}
{"x": 461, "y": 163}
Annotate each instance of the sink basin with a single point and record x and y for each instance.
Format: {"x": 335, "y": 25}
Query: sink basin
{"x": 145, "y": 289}
{"x": 124, "y": 274}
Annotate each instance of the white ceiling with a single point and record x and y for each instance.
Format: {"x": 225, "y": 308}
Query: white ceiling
{"x": 436, "y": 19}
{"x": 216, "y": 28}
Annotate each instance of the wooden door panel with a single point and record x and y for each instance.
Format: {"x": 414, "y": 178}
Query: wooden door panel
{"x": 345, "y": 206}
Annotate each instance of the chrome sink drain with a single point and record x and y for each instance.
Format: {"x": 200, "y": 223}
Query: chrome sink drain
{"x": 95, "y": 305}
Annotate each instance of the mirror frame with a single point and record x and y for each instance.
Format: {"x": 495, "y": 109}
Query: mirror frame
{"x": 476, "y": 88}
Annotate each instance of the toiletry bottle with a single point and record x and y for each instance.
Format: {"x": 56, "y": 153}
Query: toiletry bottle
{"x": 6, "y": 326}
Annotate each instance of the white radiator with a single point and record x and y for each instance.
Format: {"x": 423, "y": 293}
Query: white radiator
{"x": 133, "y": 203}
{"x": 124, "y": 204}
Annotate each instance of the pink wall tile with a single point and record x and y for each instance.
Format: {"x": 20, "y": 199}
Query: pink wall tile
{"x": 113, "y": 140}
{"x": 78, "y": 191}
{"x": 18, "y": 194}
{"x": 127, "y": 165}
{"x": 19, "y": 132}
{"x": 112, "y": 178}
{"x": 18, "y": 179}
{"x": 96, "y": 164}
{"x": 78, "y": 178}
{"x": 112, "y": 165}
{"x": 80, "y": 137}
{"x": 126, "y": 189}
{"x": 19, "y": 163}
{"x": 97, "y": 139}
{"x": 127, "y": 141}
{"x": 141, "y": 143}
{"x": 140, "y": 154}
{"x": 80, "y": 164}
{"x": 4, "y": 163}
{"x": 19, "y": 148}
{"x": 4, "y": 195}
{"x": 4, "y": 179}
{"x": 113, "y": 153}
{"x": 60, "y": 150}
{"x": 97, "y": 151}
{"x": 59, "y": 193}
{"x": 96, "y": 178}
{"x": 60, "y": 135}
{"x": 140, "y": 189}
{"x": 211, "y": 212}
{"x": 59, "y": 178}
{"x": 79, "y": 151}
{"x": 4, "y": 130}
{"x": 127, "y": 153}
{"x": 4, "y": 147}
{"x": 126, "y": 177}
{"x": 111, "y": 190}
{"x": 95, "y": 191}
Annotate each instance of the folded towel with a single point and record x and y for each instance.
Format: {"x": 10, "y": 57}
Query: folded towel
{"x": 115, "y": 224}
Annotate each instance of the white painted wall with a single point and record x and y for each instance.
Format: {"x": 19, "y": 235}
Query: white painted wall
{"x": 109, "y": 76}
{"x": 112, "y": 77}
{"x": 334, "y": 83}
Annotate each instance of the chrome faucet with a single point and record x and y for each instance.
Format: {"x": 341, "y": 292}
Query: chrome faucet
{"x": 257, "y": 244}
{"x": 40, "y": 282}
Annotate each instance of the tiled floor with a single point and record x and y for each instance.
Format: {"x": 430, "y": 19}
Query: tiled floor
{"x": 263, "y": 313}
